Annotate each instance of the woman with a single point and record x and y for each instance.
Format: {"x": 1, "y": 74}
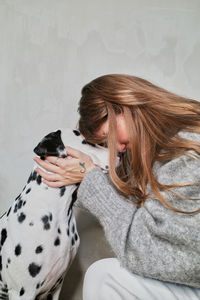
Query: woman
{"x": 149, "y": 205}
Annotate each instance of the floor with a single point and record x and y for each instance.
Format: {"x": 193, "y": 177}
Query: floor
{"x": 93, "y": 246}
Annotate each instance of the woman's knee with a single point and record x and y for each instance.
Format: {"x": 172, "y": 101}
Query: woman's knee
{"x": 95, "y": 277}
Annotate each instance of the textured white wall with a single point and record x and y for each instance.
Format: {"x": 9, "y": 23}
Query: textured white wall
{"x": 50, "y": 48}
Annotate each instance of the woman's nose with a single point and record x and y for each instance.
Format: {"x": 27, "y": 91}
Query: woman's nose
{"x": 121, "y": 147}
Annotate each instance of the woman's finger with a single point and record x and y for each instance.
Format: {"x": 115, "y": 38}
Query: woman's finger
{"x": 57, "y": 161}
{"x": 49, "y": 177}
{"x": 53, "y": 184}
{"x": 47, "y": 165}
{"x": 73, "y": 152}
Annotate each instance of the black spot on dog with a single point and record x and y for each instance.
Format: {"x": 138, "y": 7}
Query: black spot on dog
{"x": 31, "y": 224}
{"x": 76, "y": 132}
{"x": 76, "y": 237}
{"x": 57, "y": 242}
{"x": 73, "y": 242}
{"x": 84, "y": 142}
{"x": 54, "y": 287}
{"x": 39, "y": 249}
{"x": 91, "y": 144}
{"x": 34, "y": 269}
{"x": 47, "y": 226}
{"x": 73, "y": 228}
{"x": 42, "y": 283}
{"x": 34, "y": 175}
{"x": 59, "y": 231}
{"x": 24, "y": 203}
{"x": 28, "y": 191}
{"x": 3, "y": 236}
{"x": 38, "y": 286}
{"x": 15, "y": 208}
{"x": 21, "y": 217}
{"x": 8, "y": 212}
{"x": 0, "y": 263}
{"x": 8, "y": 262}
{"x": 62, "y": 190}
{"x": 69, "y": 210}
{"x": 19, "y": 205}
{"x": 17, "y": 197}
{"x": 5, "y": 290}
{"x": 68, "y": 231}
{"x": 49, "y": 297}
{"x": 22, "y": 291}
{"x": 74, "y": 197}
{"x": 39, "y": 179}
{"x": 59, "y": 280}
{"x": 45, "y": 220}
{"x": 18, "y": 250}
{"x": 50, "y": 217}
{"x": 70, "y": 217}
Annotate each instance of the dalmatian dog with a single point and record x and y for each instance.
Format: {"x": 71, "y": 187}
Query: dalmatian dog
{"x": 38, "y": 233}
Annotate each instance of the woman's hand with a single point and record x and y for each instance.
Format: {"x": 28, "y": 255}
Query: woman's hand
{"x": 66, "y": 171}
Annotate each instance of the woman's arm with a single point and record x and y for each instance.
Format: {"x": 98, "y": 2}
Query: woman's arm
{"x": 151, "y": 241}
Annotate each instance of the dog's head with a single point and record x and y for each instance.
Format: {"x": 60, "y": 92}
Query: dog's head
{"x": 52, "y": 145}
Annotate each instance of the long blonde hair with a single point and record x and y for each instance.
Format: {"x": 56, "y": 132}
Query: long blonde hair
{"x": 153, "y": 115}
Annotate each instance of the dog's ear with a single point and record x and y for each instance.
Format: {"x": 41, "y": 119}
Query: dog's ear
{"x": 51, "y": 144}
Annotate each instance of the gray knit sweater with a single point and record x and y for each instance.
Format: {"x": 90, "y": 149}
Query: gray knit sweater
{"x": 151, "y": 241}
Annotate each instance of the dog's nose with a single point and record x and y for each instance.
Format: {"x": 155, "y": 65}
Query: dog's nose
{"x": 39, "y": 150}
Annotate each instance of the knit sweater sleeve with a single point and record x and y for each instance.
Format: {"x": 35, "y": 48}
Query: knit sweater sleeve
{"x": 151, "y": 241}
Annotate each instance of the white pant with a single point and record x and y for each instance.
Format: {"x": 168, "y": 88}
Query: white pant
{"x": 106, "y": 280}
